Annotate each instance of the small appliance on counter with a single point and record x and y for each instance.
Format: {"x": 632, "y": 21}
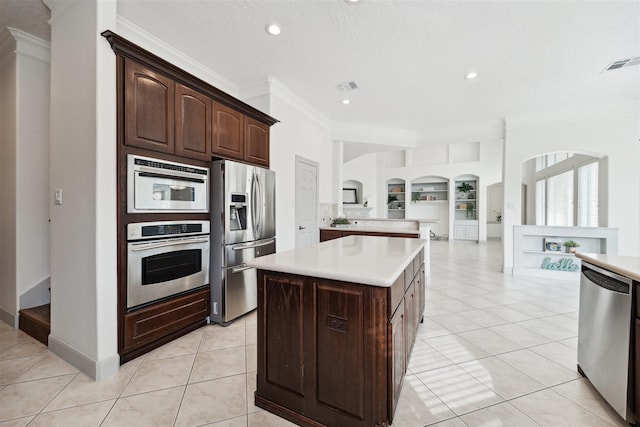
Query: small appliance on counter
{"x": 243, "y": 227}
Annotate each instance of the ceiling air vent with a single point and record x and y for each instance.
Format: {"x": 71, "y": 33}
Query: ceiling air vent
{"x": 347, "y": 86}
{"x": 623, "y": 63}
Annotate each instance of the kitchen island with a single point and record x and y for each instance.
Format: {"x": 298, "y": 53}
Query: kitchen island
{"x": 336, "y": 325}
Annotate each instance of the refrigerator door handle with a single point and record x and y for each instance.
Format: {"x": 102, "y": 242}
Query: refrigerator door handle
{"x": 252, "y": 245}
{"x": 259, "y": 208}
{"x": 253, "y": 205}
{"x": 241, "y": 267}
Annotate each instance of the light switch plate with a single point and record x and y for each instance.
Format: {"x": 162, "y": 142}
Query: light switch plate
{"x": 57, "y": 195}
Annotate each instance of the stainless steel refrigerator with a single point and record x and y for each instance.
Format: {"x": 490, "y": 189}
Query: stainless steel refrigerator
{"x": 243, "y": 227}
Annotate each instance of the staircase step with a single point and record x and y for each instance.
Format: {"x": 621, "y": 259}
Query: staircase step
{"x": 36, "y": 322}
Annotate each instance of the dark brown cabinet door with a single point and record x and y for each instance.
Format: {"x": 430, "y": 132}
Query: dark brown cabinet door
{"x": 410, "y": 314}
{"x": 256, "y": 142}
{"x": 422, "y": 290}
{"x": 228, "y": 132}
{"x": 329, "y": 235}
{"x": 156, "y": 321}
{"x": 148, "y": 108}
{"x": 193, "y": 123}
{"x": 397, "y": 366}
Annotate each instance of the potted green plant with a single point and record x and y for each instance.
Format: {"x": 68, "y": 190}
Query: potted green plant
{"x": 415, "y": 197}
{"x": 571, "y": 246}
{"x": 466, "y": 189}
{"x": 391, "y": 199}
{"x": 470, "y": 210}
{"x": 340, "y": 221}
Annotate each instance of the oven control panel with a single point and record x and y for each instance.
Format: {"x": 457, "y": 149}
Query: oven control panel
{"x": 151, "y": 230}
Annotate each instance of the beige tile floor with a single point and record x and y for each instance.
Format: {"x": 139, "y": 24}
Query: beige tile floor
{"x": 494, "y": 350}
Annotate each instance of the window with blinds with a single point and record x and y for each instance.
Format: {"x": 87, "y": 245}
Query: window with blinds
{"x": 588, "y": 195}
{"x": 560, "y": 199}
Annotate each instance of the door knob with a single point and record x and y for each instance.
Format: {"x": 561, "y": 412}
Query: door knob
{"x": 301, "y": 227}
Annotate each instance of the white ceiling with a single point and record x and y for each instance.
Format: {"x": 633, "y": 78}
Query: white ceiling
{"x": 409, "y": 57}
{"x": 30, "y": 16}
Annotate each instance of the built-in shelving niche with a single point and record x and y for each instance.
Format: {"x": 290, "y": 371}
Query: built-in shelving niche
{"x": 396, "y": 198}
{"x": 430, "y": 200}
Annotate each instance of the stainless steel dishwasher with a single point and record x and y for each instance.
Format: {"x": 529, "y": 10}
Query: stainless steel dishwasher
{"x": 604, "y": 330}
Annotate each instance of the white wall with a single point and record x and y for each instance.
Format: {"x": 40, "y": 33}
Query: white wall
{"x": 610, "y": 130}
{"x": 32, "y": 186}
{"x": 365, "y": 170}
{"x": 8, "y": 299}
{"x": 24, "y": 164}
{"x": 297, "y": 134}
{"x": 83, "y": 165}
{"x": 419, "y": 164}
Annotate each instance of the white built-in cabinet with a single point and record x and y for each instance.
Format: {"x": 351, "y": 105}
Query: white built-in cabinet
{"x": 396, "y": 198}
{"x": 465, "y": 208}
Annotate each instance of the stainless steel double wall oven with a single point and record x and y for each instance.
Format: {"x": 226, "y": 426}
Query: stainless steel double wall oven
{"x": 166, "y": 258}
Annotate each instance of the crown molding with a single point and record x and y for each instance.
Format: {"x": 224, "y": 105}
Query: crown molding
{"x": 349, "y": 132}
{"x": 579, "y": 114}
{"x": 148, "y": 41}
{"x": 7, "y": 47}
{"x": 30, "y": 46}
{"x": 274, "y": 87}
{"x": 58, "y": 7}
{"x": 468, "y": 132}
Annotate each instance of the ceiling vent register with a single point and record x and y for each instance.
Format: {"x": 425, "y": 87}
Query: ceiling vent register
{"x": 623, "y": 63}
{"x": 347, "y": 86}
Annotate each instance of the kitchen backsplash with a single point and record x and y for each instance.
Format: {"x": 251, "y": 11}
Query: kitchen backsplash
{"x": 328, "y": 211}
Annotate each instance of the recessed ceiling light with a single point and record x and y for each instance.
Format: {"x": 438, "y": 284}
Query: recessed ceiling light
{"x": 352, "y": 1}
{"x": 346, "y": 101}
{"x": 272, "y": 29}
{"x": 471, "y": 75}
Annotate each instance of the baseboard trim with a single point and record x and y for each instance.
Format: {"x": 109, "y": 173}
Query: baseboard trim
{"x": 97, "y": 370}
{"x": 8, "y": 317}
{"x": 507, "y": 270}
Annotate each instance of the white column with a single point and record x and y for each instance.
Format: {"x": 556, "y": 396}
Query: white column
{"x": 83, "y": 165}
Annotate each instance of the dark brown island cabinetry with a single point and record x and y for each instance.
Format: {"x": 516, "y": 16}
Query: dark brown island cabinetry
{"x": 336, "y": 234}
{"x": 334, "y": 353}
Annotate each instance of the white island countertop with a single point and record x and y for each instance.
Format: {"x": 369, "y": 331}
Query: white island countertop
{"x": 376, "y": 261}
{"x": 628, "y": 266}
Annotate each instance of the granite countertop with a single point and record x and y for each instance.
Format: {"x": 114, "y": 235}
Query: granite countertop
{"x": 628, "y": 266}
{"x": 375, "y": 261}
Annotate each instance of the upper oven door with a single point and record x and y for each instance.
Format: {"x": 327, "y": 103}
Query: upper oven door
{"x": 161, "y": 186}
{"x": 161, "y": 268}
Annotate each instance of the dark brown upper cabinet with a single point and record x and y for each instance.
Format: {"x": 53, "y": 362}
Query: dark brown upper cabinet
{"x": 193, "y": 123}
{"x": 256, "y": 134}
{"x": 165, "y": 109}
{"x": 148, "y": 108}
{"x": 240, "y": 137}
{"x": 228, "y": 132}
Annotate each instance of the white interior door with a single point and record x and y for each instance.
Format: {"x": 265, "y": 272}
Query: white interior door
{"x": 306, "y": 202}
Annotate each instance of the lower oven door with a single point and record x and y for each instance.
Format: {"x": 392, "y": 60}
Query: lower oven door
{"x": 163, "y": 268}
